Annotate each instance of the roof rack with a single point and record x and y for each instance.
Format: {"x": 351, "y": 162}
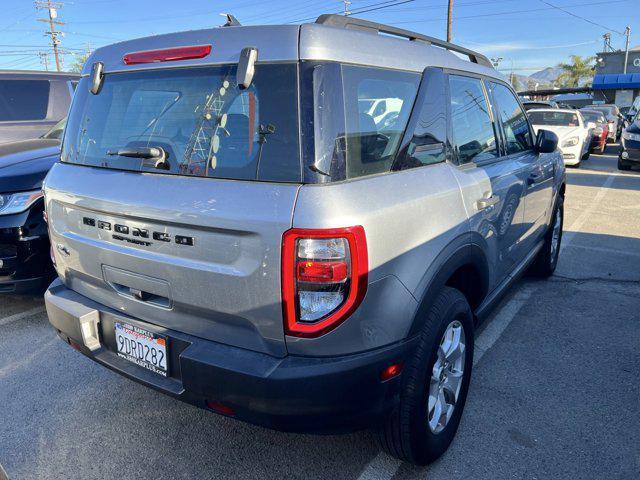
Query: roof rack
{"x": 359, "y": 24}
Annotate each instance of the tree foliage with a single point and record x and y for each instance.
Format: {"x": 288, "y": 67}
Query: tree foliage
{"x": 578, "y": 72}
{"x": 79, "y": 62}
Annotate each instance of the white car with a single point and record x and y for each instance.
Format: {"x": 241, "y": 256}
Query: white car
{"x": 573, "y": 133}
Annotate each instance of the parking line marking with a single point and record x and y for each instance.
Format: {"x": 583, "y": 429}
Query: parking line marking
{"x": 615, "y": 251}
{"x": 384, "y": 466}
{"x": 568, "y": 236}
{"x": 499, "y": 323}
{"x": 21, "y": 315}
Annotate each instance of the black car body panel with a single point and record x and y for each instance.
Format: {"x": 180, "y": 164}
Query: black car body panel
{"x": 631, "y": 147}
{"x": 24, "y": 242}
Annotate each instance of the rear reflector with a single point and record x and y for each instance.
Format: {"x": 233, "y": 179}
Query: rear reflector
{"x": 167, "y": 54}
{"x": 221, "y": 408}
{"x": 390, "y": 372}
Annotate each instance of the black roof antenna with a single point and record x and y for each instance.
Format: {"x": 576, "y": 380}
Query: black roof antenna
{"x": 231, "y": 20}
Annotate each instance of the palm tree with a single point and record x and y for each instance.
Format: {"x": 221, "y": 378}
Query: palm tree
{"x": 576, "y": 73}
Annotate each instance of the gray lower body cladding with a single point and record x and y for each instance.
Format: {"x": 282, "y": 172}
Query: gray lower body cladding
{"x": 300, "y": 394}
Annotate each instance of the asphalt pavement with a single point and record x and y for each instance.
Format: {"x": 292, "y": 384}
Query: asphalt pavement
{"x": 555, "y": 391}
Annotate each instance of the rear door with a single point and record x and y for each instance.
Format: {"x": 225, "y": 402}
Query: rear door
{"x": 190, "y": 241}
{"x": 536, "y": 169}
{"x": 493, "y": 183}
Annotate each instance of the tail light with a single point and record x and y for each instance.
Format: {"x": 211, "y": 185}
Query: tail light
{"x": 324, "y": 278}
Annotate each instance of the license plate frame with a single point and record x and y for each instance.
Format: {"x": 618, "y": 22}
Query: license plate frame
{"x": 142, "y": 347}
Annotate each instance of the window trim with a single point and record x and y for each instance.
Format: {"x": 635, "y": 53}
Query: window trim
{"x": 531, "y": 131}
{"x": 414, "y": 117}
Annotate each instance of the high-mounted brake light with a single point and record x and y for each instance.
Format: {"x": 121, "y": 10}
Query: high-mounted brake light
{"x": 324, "y": 278}
{"x": 167, "y": 54}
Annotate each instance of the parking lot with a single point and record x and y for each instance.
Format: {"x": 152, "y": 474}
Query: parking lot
{"x": 555, "y": 392}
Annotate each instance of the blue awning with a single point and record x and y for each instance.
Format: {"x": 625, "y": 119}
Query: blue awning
{"x": 616, "y": 81}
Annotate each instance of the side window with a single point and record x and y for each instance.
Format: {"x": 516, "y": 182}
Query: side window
{"x": 23, "y": 100}
{"x": 472, "y": 127}
{"x": 514, "y": 121}
{"x": 428, "y": 128}
{"x": 373, "y": 135}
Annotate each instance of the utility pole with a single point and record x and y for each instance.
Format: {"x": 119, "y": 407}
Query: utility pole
{"x": 347, "y": 12}
{"x": 607, "y": 43}
{"x": 627, "y": 32}
{"x": 52, "y": 9}
{"x": 449, "y": 20}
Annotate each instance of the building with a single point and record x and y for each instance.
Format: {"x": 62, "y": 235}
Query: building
{"x": 610, "y": 84}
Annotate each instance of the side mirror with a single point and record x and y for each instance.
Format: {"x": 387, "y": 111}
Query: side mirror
{"x": 546, "y": 141}
{"x": 591, "y": 125}
{"x": 246, "y": 67}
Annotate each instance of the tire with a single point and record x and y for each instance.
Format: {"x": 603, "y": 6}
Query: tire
{"x": 546, "y": 261}
{"x": 406, "y": 432}
{"x": 622, "y": 165}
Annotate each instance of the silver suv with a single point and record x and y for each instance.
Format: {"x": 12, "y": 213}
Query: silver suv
{"x": 232, "y": 226}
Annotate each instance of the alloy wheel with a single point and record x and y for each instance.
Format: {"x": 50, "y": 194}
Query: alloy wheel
{"x": 446, "y": 377}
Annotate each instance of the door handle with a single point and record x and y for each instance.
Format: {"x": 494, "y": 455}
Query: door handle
{"x": 487, "y": 202}
{"x": 534, "y": 178}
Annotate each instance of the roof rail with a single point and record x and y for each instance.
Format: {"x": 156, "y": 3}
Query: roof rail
{"x": 359, "y": 24}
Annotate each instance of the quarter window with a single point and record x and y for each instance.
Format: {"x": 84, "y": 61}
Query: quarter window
{"x": 429, "y": 127}
{"x": 472, "y": 128}
{"x": 514, "y": 121}
{"x": 22, "y": 100}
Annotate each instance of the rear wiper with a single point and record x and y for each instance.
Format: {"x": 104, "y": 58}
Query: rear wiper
{"x": 155, "y": 153}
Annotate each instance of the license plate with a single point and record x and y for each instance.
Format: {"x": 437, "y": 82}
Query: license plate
{"x": 142, "y": 347}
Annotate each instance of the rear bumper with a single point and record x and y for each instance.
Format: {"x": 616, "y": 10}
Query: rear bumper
{"x": 24, "y": 252}
{"x": 299, "y": 394}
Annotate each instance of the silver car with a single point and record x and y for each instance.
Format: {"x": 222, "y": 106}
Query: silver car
{"x": 231, "y": 226}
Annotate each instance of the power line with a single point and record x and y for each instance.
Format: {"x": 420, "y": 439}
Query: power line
{"x": 579, "y": 17}
{"x": 364, "y": 9}
{"x": 497, "y": 14}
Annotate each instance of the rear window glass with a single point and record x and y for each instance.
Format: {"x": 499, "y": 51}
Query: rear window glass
{"x": 22, "y": 100}
{"x": 559, "y": 119}
{"x": 202, "y": 121}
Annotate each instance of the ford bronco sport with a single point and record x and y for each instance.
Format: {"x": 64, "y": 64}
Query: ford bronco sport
{"x": 231, "y": 226}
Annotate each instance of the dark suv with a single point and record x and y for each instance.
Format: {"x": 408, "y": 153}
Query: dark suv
{"x": 24, "y": 243}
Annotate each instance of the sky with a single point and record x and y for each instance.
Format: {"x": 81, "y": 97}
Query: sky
{"x": 529, "y": 35}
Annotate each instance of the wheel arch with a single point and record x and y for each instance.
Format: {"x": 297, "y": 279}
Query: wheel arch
{"x": 466, "y": 269}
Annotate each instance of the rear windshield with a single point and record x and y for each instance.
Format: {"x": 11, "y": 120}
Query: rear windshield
{"x": 595, "y": 117}
{"x": 198, "y": 116}
{"x": 559, "y": 119}
{"x": 23, "y": 100}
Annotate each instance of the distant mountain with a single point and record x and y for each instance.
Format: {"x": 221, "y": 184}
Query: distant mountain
{"x": 548, "y": 75}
